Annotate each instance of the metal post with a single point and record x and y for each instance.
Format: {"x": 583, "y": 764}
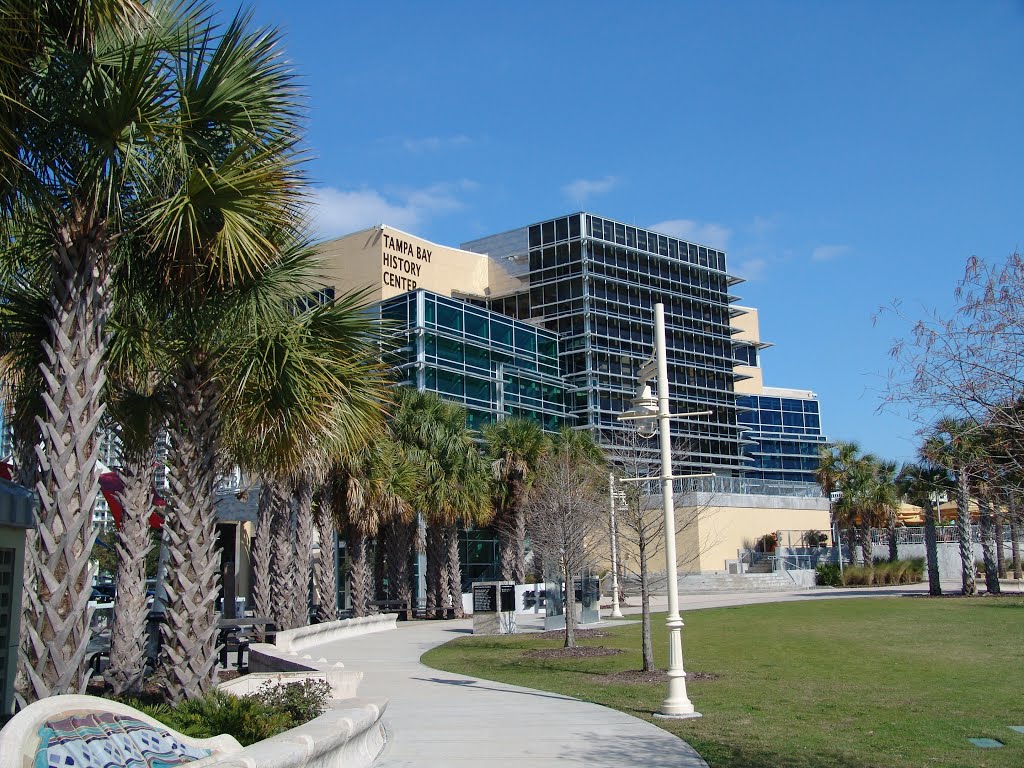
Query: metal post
{"x": 677, "y": 704}
{"x": 616, "y": 612}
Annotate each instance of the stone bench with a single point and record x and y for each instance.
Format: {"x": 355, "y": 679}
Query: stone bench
{"x": 92, "y": 732}
{"x": 87, "y": 731}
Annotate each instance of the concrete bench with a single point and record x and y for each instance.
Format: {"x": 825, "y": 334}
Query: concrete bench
{"x": 92, "y": 732}
{"x": 87, "y": 731}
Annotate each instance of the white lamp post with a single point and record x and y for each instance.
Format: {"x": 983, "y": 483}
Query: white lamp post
{"x": 614, "y": 498}
{"x": 647, "y": 411}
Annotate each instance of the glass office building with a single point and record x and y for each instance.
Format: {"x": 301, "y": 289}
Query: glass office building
{"x": 486, "y": 361}
{"x": 595, "y": 282}
{"x": 784, "y": 431}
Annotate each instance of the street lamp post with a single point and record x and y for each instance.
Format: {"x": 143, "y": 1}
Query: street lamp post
{"x": 613, "y": 500}
{"x": 645, "y": 411}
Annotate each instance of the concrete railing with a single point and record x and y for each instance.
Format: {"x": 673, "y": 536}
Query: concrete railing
{"x": 294, "y": 640}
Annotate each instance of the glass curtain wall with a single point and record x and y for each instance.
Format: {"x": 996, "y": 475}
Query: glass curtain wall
{"x": 785, "y": 435}
{"x": 595, "y": 282}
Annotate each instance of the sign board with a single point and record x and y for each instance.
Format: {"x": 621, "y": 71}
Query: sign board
{"x": 485, "y": 598}
{"x": 508, "y": 598}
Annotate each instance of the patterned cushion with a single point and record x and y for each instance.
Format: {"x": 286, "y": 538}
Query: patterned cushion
{"x": 105, "y": 740}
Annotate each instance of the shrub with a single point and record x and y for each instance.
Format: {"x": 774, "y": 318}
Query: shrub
{"x": 854, "y": 576}
{"x": 302, "y": 700}
{"x": 814, "y": 539}
{"x": 271, "y": 710}
{"x": 766, "y": 543}
{"x": 827, "y": 575}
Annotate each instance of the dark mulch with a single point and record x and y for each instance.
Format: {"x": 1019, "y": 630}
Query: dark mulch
{"x": 581, "y": 634}
{"x": 636, "y": 676}
{"x": 579, "y": 652}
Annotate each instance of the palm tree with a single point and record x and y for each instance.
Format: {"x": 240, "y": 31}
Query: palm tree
{"x": 834, "y": 462}
{"x": 515, "y": 446}
{"x": 885, "y": 502}
{"x": 369, "y": 493}
{"x": 920, "y": 484}
{"x": 949, "y": 445}
{"x": 88, "y": 101}
{"x": 453, "y": 490}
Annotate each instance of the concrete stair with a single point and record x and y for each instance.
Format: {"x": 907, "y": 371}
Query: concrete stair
{"x": 729, "y": 582}
{"x": 721, "y": 582}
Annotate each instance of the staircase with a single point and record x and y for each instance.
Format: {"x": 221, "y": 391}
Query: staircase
{"x": 722, "y": 582}
{"x": 729, "y": 582}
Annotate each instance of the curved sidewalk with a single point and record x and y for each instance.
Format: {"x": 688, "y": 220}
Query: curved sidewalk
{"x": 437, "y": 719}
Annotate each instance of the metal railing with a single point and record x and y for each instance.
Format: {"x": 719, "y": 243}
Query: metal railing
{"x": 745, "y": 485}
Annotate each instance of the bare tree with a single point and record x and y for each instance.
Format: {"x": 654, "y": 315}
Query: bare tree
{"x": 566, "y": 512}
{"x": 971, "y": 363}
{"x": 641, "y": 522}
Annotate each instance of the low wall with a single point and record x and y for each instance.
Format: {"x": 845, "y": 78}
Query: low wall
{"x": 350, "y": 735}
{"x": 294, "y": 640}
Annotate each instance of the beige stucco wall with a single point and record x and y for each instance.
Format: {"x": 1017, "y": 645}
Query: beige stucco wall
{"x": 714, "y": 527}
{"x": 392, "y": 262}
{"x": 749, "y": 330}
{"x": 722, "y": 530}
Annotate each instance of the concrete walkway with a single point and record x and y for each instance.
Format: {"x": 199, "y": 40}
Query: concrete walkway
{"x": 436, "y": 719}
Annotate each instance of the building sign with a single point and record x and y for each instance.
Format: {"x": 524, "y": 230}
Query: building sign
{"x": 403, "y": 262}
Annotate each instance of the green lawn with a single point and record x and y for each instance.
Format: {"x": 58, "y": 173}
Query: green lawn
{"x": 843, "y": 683}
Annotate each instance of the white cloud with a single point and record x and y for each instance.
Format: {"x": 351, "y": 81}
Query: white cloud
{"x": 702, "y": 233}
{"x": 582, "y": 189}
{"x": 750, "y": 269}
{"x": 336, "y": 212}
{"x": 829, "y": 252}
{"x": 434, "y": 143}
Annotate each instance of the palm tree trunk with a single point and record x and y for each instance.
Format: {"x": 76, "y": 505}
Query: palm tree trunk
{"x": 894, "y": 549}
{"x": 325, "y": 574}
{"x": 519, "y": 572}
{"x": 26, "y": 473}
{"x": 963, "y": 534}
{"x": 378, "y": 591}
{"x": 851, "y": 543}
{"x": 262, "y": 551}
{"x": 57, "y": 618}
{"x": 867, "y": 548}
{"x": 358, "y": 574}
{"x": 646, "y": 644}
{"x": 128, "y": 633}
{"x": 282, "y": 559}
{"x": 187, "y": 665}
{"x": 987, "y": 549}
{"x": 303, "y": 545}
{"x": 931, "y": 549}
{"x": 437, "y": 572}
{"x": 454, "y": 572}
{"x": 397, "y": 539}
{"x": 505, "y": 525}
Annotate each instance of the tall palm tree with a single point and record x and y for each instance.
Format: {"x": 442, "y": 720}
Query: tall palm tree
{"x": 920, "y": 484}
{"x": 949, "y": 445}
{"x": 454, "y": 488}
{"x": 885, "y": 501}
{"x": 834, "y": 463}
{"x": 87, "y": 106}
{"x": 371, "y": 492}
{"x": 515, "y": 446}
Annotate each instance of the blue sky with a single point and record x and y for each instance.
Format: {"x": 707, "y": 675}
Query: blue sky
{"x": 843, "y": 154}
